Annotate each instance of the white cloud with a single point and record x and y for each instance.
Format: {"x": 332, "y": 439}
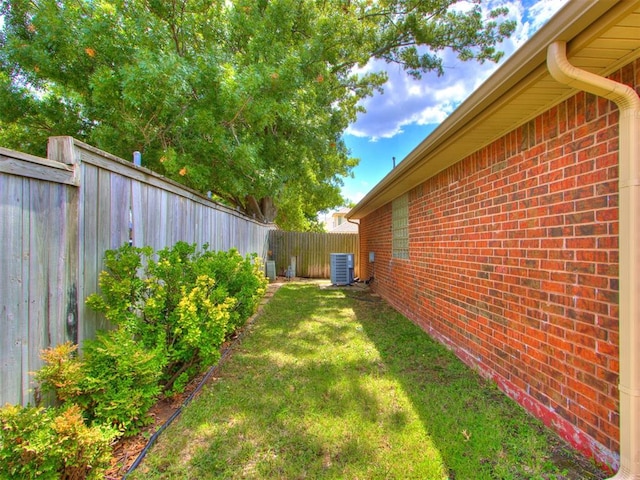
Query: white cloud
{"x": 541, "y": 11}
{"x": 406, "y": 101}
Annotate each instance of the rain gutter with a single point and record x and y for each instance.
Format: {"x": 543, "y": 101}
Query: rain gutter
{"x": 629, "y": 227}
{"x": 523, "y": 68}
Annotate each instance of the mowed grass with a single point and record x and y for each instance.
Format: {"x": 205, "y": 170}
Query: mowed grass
{"x": 333, "y": 384}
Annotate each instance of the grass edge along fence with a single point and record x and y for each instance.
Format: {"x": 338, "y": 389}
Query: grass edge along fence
{"x": 333, "y": 383}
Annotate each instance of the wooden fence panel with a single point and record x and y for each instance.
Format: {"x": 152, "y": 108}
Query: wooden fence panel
{"x": 15, "y": 294}
{"x": 59, "y": 216}
{"x": 311, "y": 251}
{"x": 88, "y": 247}
{"x": 136, "y": 204}
{"x": 38, "y": 260}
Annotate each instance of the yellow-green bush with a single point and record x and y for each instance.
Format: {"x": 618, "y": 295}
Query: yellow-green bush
{"x": 171, "y": 311}
{"x": 181, "y": 299}
{"x": 53, "y": 443}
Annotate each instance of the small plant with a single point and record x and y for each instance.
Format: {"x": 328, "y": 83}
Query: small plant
{"x": 201, "y": 321}
{"x": 115, "y": 383}
{"x": 62, "y": 372}
{"x": 123, "y": 292}
{"x": 52, "y": 444}
{"x": 121, "y": 381}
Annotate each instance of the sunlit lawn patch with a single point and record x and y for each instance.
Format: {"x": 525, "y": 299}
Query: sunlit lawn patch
{"x": 332, "y": 383}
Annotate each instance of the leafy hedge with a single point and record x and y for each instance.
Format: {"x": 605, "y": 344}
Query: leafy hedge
{"x": 53, "y": 443}
{"x": 171, "y": 311}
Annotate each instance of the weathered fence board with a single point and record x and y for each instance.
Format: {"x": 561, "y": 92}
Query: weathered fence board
{"x": 311, "y": 251}
{"x": 59, "y": 215}
{"x": 38, "y": 261}
{"x": 11, "y": 265}
{"x": 137, "y": 205}
{"x": 25, "y": 165}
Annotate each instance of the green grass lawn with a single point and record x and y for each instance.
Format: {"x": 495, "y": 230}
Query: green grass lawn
{"x": 333, "y": 383}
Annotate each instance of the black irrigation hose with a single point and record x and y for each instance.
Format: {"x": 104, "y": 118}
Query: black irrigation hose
{"x": 177, "y": 413}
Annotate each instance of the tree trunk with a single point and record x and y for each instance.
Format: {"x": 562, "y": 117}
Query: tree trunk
{"x": 262, "y": 210}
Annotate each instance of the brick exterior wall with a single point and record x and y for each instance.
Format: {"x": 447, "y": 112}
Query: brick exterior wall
{"x": 514, "y": 265}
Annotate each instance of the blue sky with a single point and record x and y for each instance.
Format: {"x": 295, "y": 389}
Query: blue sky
{"x": 409, "y": 110}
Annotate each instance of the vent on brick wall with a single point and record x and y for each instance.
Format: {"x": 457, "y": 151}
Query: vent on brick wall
{"x": 342, "y": 268}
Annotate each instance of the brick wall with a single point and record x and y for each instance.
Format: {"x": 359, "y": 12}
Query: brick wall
{"x": 514, "y": 265}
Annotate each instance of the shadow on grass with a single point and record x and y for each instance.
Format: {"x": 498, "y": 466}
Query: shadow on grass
{"x": 479, "y": 431}
{"x": 333, "y": 383}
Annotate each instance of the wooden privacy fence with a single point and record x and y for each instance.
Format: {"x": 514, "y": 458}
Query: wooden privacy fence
{"x": 59, "y": 215}
{"x": 310, "y": 251}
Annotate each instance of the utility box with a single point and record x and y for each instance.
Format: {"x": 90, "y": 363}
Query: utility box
{"x": 271, "y": 270}
{"x": 342, "y": 268}
{"x": 291, "y": 271}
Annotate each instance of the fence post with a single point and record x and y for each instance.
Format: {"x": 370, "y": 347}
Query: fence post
{"x": 62, "y": 149}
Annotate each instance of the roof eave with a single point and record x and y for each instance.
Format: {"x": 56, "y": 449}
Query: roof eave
{"x": 527, "y": 62}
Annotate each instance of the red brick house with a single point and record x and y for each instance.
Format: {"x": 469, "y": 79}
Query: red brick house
{"x": 509, "y": 234}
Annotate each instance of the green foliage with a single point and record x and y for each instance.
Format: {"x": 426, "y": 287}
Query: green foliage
{"x": 121, "y": 289}
{"x": 242, "y": 278}
{"x": 62, "y": 372}
{"x": 115, "y": 383}
{"x": 182, "y": 304}
{"x": 202, "y": 321}
{"x": 334, "y": 384}
{"x": 51, "y": 444}
{"x": 244, "y": 98}
{"x": 121, "y": 381}
{"x": 170, "y": 317}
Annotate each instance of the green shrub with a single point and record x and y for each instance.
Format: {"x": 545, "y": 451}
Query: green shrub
{"x": 242, "y": 277}
{"x": 115, "y": 383}
{"x": 123, "y": 292}
{"x": 171, "y": 313}
{"x": 52, "y": 443}
{"x": 185, "y": 300}
{"x": 170, "y": 317}
{"x": 202, "y": 317}
{"x": 62, "y": 372}
{"x": 121, "y": 381}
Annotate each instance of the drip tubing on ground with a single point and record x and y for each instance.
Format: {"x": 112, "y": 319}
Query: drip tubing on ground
{"x": 177, "y": 413}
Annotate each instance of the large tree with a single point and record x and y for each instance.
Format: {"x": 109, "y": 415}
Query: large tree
{"x": 247, "y": 99}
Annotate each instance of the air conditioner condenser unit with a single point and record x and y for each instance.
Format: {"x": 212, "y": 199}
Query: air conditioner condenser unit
{"x": 342, "y": 268}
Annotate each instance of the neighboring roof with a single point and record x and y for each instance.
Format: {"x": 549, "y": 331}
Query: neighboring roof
{"x": 346, "y": 227}
{"x": 342, "y": 211}
{"x": 601, "y": 36}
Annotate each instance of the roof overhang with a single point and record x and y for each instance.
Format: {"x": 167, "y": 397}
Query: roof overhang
{"x": 602, "y": 36}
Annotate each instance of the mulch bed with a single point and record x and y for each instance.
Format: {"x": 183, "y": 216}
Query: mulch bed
{"x": 127, "y": 449}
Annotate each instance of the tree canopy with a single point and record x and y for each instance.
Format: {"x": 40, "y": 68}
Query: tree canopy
{"x": 247, "y": 99}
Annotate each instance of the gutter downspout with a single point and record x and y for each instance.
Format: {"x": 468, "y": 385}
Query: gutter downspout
{"x": 358, "y": 225}
{"x": 629, "y": 237}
